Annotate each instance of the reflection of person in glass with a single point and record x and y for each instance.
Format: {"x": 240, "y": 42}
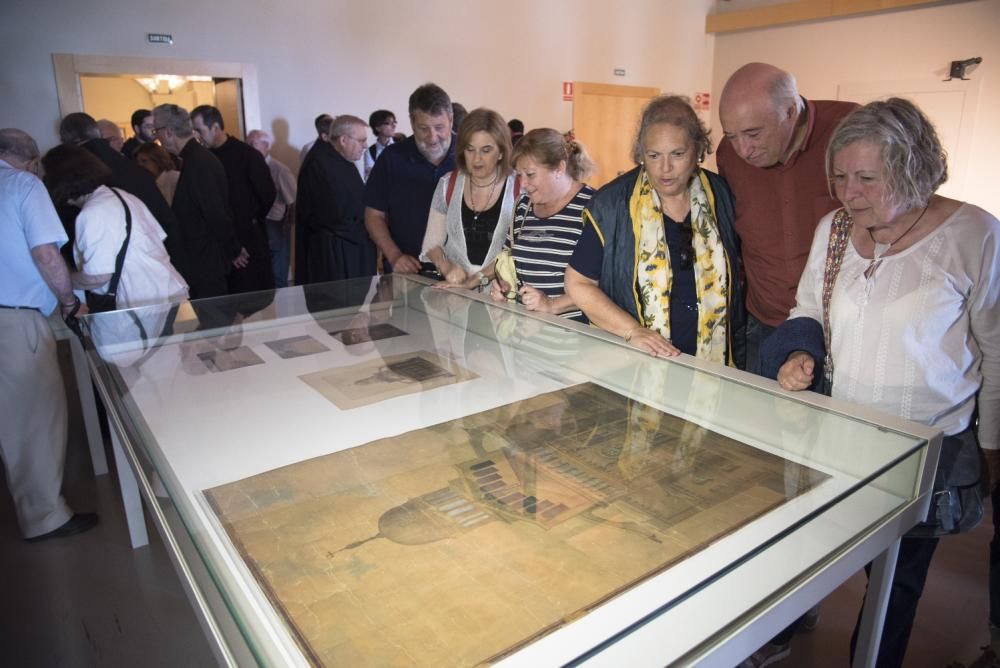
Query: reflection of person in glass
{"x": 910, "y": 323}
{"x": 658, "y": 262}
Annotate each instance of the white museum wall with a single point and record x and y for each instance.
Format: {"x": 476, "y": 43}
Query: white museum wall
{"x": 345, "y": 56}
{"x": 913, "y": 45}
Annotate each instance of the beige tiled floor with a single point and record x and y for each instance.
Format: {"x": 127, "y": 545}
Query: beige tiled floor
{"x": 91, "y": 600}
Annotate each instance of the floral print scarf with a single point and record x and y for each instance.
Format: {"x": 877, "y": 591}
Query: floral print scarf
{"x": 653, "y": 274}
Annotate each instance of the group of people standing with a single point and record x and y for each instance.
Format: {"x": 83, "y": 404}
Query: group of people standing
{"x": 819, "y": 254}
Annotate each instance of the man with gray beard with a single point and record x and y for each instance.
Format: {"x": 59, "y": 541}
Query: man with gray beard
{"x": 399, "y": 191}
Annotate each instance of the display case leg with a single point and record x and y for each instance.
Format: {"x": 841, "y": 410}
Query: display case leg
{"x": 88, "y": 407}
{"x": 876, "y": 603}
{"x": 131, "y": 499}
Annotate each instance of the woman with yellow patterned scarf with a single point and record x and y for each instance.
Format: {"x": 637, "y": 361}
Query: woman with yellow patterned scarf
{"x": 658, "y": 261}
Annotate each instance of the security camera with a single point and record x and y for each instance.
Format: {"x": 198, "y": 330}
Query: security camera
{"x": 959, "y": 68}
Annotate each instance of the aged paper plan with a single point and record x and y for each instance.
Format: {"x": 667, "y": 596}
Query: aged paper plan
{"x": 376, "y": 332}
{"x": 223, "y": 359}
{"x": 296, "y": 346}
{"x": 384, "y": 378}
{"x": 456, "y": 544}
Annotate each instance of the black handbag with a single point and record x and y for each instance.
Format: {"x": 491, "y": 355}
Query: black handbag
{"x": 957, "y": 499}
{"x": 99, "y": 303}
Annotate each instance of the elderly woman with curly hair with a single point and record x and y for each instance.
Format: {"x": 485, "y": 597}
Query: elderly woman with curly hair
{"x": 899, "y": 307}
{"x": 658, "y": 262}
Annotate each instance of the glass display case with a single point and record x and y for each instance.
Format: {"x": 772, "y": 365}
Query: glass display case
{"x": 382, "y": 472}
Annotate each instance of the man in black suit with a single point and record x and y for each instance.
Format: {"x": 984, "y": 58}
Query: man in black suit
{"x": 251, "y": 195}
{"x": 82, "y": 129}
{"x": 330, "y": 208}
{"x": 201, "y": 203}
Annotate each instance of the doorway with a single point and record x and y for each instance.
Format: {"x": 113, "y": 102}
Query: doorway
{"x": 109, "y": 87}
{"x": 605, "y": 118}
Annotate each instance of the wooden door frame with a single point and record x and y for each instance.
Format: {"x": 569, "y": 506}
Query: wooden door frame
{"x": 589, "y": 89}
{"x": 69, "y": 67}
{"x": 584, "y": 87}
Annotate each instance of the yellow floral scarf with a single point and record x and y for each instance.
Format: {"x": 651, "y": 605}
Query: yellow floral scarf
{"x": 653, "y": 272}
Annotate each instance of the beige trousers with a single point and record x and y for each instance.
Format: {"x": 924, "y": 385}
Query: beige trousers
{"x": 33, "y": 424}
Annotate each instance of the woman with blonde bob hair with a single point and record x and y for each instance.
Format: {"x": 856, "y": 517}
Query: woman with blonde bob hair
{"x": 547, "y": 223}
{"x": 898, "y": 309}
{"x": 658, "y": 263}
{"x": 473, "y": 205}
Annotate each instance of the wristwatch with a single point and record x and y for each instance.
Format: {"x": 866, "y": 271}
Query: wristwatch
{"x": 483, "y": 280}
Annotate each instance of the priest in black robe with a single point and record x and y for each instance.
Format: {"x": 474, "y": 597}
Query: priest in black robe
{"x": 330, "y": 209}
{"x": 251, "y": 195}
{"x": 201, "y": 204}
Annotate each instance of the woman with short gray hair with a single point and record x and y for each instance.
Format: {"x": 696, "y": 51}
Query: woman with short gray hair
{"x": 899, "y": 307}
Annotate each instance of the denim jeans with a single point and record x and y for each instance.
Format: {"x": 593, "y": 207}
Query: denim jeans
{"x": 278, "y": 234}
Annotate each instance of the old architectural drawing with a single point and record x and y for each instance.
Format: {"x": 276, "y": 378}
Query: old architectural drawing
{"x": 385, "y": 378}
{"x": 458, "y": 543}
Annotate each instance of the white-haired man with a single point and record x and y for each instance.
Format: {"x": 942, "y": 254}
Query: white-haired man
{"x": 331, "y": 210}
{"x": 34, "y": 281}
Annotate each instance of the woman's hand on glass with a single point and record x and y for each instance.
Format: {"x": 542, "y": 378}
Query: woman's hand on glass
{"x": 651, "y": 342}
{"x": 499, "y": 289}
{"x": 797, "y": 371}
{"x": 534, "y": 299}
{"x": 456, "y": 275}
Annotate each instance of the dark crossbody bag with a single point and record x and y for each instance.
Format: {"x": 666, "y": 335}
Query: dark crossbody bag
{"x": 98, "y": 303}
{"x": 957, "y": 499}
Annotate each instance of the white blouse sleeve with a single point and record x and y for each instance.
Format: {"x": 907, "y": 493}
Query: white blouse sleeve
{"x": 436, "y": 233}
{"x": 984, "y": 310}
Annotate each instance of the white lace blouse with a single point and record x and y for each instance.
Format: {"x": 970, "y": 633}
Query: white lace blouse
{"x": 921, "y": 336}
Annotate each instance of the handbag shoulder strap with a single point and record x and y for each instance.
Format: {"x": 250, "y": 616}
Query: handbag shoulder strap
{"x": 120, "y": 260}
{"x": 450, "y": 190}
{"x": 840, "y": 234}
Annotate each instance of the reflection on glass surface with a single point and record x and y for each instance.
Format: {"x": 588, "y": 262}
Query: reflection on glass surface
{"x": 491, "y": 529}
{"x": 349, "y": 428}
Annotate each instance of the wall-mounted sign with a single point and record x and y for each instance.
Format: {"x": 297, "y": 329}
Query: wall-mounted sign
{"x": 702, "y": 101}
{"x": 567, "y": 91}
{"x": 159, "y": 38}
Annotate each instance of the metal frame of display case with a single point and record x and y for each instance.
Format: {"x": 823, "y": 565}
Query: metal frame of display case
{"x": 780, "y": 599}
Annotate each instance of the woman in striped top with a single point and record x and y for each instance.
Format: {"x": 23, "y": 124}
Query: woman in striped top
{"x": 548, "y": 220}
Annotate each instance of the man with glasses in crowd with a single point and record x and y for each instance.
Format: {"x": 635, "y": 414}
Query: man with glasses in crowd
{"x": 330, "y": 209}
{"x": 207, "y": 233}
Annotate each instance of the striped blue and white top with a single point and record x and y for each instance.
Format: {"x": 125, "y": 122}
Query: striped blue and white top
{"x": 542, "y": 247}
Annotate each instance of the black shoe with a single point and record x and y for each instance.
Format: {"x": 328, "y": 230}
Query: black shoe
{"x": 79, "y": 523}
